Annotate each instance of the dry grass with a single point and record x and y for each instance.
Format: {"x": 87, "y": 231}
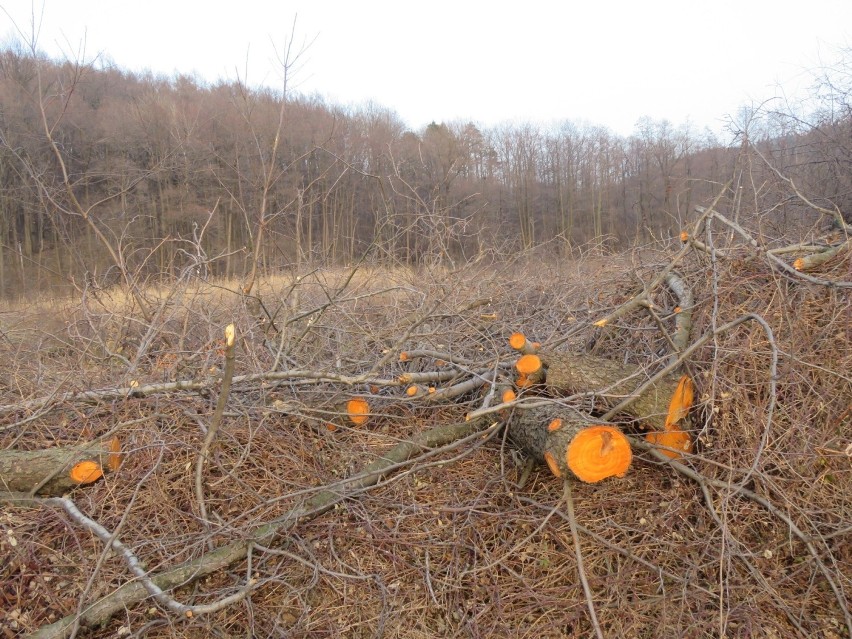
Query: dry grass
{"x": 450, "y": 549}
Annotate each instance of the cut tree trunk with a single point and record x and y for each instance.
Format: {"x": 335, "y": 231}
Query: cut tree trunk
{"x": 568, "y": 373}
{"x": 570, "y": 442}
{"x": 530, "y": 370}
{"x": 55, "y": 471}
{"x": 520, "y": 343}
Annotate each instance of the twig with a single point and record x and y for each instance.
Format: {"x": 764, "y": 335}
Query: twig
{"x": 772, "y": 257}
{"x": 658, "y": 570}
{"x": 215, "y": 422}
{"x": 758, "y": 576}
{"x": 108, "y": 544}
{"x": 643, "y": 298}
{"x": 572, "y": 521}
{"x": 835, "y": 214}
{"x": 136, "y": 568}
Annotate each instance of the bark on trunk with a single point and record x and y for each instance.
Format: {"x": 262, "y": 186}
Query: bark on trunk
{"x": 569, "y": 373}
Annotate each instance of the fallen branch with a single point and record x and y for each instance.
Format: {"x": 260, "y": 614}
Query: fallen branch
{"x": 459, "y": 389}
{"x": 439, "y": 356}
{"x": 144, "y": 390}
{"x": 695, "y": 243}
{"x": 683, "y": 312}
{"x": 428, "y": 376}
{"x": 136, "y": 568}
{"x": 812, "y": 261}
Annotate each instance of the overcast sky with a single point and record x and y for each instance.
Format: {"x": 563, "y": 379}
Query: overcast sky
{"x": 602, "y": 62}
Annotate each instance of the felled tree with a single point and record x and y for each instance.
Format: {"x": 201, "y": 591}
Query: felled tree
{"x": 660, "y": 407}
{"x": 570, "y": 444}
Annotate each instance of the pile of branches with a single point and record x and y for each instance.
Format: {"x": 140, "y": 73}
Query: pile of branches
{"x": 340, "y": 460}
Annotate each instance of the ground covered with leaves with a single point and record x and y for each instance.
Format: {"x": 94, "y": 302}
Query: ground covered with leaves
{"x": 447, "y": 543}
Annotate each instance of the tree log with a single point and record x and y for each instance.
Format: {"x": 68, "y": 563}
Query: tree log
{"x": 50, "y": 472}
{"x": 571, "y": 443}
{"x": 683, "y": 312}
{"x": 568, "y": 373}
{"x": 530, "y": 370}
{"x": 520, "y": 343}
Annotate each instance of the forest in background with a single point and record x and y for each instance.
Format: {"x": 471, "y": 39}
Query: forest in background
{"x": 178, "y": 175}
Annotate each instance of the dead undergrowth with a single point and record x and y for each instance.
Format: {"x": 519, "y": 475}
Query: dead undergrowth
{"x": 447, "y": 546}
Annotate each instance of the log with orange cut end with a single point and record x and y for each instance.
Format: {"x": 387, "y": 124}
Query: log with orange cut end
{"x": 86, "y": 471}
{"x": 530, "y": 370}
{"x": 673, "y": 436}
{"x": 507, "y": 395}
{"x": 570, "y": 443}
{"x": 358, "y": 411}
{"x": 569, "y": 373}
{"x": 115, "y": 454}
{"x": 355, "y": 411}
{"x": 54, "y": 471}
{"x": 661, "y": 406}
{"x": 416, "y": 391}
{"x": 520, "y": 343}
{"x": 89, "y": 470}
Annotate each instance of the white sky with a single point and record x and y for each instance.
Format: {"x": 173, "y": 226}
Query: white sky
{"x": 603, "y": 62}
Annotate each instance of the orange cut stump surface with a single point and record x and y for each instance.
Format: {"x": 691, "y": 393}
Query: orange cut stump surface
{"x": 599, "y": 452}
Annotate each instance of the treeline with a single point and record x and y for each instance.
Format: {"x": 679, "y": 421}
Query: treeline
{"x": 103, "y": 171}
